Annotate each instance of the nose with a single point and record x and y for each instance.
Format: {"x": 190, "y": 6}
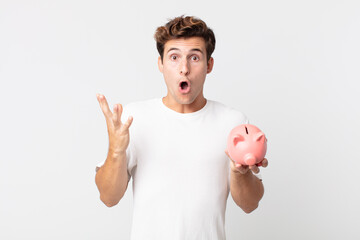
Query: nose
{"x": 184, "y": 67}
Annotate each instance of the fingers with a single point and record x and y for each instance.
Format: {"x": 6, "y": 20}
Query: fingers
{"x": 104, "y": 106}
{"x": 127, "y": 124}
{"x": 242, "y": 168}
{"x": 255, "y": 169}
{"x": 264, "y": 163}
{"x": 117, "y": 112}
{"x": 117, "y": 115}
{"x": 245, "y": 168}
{"x": 234, "y": 165}
{"x": 227, "y": 153}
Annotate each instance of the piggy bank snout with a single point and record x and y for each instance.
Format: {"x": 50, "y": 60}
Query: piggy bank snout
{"x": 250, "y": 159}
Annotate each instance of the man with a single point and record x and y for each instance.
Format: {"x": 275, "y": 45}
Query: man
{"x": 181, "y": 175}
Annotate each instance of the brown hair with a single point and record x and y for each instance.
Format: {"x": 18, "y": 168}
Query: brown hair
{"x": 184, "y": 27}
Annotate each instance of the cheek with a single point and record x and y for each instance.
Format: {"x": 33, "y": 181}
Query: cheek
{"x": 202, "y": 72}
{"x": 201, "y": 68}
{"x": 168, "y": 77}
{"x": 169, "y": 68}
{"x": 169, "y": 73}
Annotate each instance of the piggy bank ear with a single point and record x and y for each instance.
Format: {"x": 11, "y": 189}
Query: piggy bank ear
{"x": 259, "y": 137}
{"x": 238, "y": 138}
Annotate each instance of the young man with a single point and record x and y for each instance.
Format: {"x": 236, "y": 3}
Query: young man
{"x": 181, "y": 174}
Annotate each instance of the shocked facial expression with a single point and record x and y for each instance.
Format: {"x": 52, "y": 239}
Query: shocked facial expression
{"x": 184, "y": 67}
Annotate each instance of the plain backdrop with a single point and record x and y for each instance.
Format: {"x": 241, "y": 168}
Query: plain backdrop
{"x": 291, "y": 66}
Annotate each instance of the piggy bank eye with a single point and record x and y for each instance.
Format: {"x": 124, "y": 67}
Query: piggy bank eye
{"x": 238, "y": 138}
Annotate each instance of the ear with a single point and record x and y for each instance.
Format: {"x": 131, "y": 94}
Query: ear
{"x": 259, "y": 137}
{"x": 210, "y": 65}
{"x": 160, "y": 64}
{"x": 238, "y": 138}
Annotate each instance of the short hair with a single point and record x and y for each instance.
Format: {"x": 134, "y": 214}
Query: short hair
{"x": 184, "y": 27}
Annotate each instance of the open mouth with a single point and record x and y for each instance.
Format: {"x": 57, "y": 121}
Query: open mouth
{"x": 184, "y": 86}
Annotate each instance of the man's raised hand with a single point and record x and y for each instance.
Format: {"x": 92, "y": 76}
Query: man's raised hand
{"x": 118, "y": 132}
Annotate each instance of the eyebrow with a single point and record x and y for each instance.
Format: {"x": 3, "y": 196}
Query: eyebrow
{"x": 192, "y": 50}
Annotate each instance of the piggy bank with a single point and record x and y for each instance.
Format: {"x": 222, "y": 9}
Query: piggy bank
{"x": 246, "y": 144}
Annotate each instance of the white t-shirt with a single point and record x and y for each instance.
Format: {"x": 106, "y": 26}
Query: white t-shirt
{"x": 180, "y": 172}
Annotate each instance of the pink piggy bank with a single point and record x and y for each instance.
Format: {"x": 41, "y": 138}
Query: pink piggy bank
{"x": 246, "y": 144}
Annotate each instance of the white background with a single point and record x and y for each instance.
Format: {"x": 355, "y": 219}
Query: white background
{"x": 291, "y": 66}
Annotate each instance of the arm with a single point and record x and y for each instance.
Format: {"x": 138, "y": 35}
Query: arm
{"x": 246, "y": 190}
{"x": 112, "y": 178}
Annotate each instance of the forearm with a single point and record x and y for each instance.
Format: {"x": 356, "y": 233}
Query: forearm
{"x": 112, "y": 179}
{"x": 246, "y": 190}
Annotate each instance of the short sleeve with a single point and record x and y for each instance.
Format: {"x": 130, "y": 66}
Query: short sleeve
{"x": 241, "y": 118}
{"x": 131, "y": 160}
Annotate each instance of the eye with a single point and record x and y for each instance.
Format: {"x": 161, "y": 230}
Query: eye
{"x": 195, "y": 58}
{"x": 173, "y": 57}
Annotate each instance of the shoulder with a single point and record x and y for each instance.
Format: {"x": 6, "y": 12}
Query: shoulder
{"x": 140, "y": 107}
{"x": 228, "y": 112}
{"x": 143, "y": 104}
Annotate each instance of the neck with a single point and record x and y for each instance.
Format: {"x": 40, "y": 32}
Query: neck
{"x": 194, "y": 106}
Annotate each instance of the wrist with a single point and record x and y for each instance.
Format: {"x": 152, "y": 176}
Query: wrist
{"x": 116, "y": 154}
{"x": 239, "y": 174}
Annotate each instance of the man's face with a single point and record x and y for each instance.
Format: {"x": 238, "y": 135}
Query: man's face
{"x": 184, "y": 67}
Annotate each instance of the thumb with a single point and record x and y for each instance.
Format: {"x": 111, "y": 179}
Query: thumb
{"x": 127, "y": 124}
